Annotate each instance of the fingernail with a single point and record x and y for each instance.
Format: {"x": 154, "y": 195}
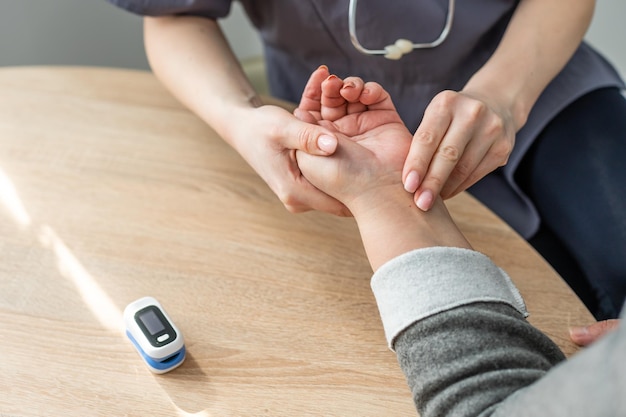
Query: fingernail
{"x": 348, "y": 84}
{"x": 327, "y": 143}
{"x": 411, "y": 182}
{"x": 322, "y": 67}
{"x": 578, "y": 332}
{"x": 425, "y": 200}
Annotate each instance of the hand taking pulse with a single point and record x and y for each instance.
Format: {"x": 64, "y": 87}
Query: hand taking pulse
{"x": 273, "y": 136}
{"x": 462, "y": 137}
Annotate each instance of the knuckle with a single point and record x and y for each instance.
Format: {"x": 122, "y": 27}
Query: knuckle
{"x": 425, "y": 138}
{"x": 450, "y": 153}
{"x": 286, "y": 196}
{"x": 461, "y": 171}
{"x": 291, "y": 204}
{"x": 301, "y": 136}
{"x": 435, "y": 182}
{"x": 495, "y": 127}
{"x": 501, "y": 151}
{"x": 445, "y": 98}
{"x": 278, "y": 133}
{"x": 306, "y": 140}
{"x": 294, "y": 209}
{"x": 441, "y": 103}
{"x": 475, "y": 110}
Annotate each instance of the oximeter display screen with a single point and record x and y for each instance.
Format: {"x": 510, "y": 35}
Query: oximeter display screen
{"x": 155, "y": 327}
{"x": 152, "y": 322}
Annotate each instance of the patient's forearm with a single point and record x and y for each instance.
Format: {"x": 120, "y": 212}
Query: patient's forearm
{"x": 390, "y": 225}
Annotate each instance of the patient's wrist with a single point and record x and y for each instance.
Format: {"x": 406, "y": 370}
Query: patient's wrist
{"x": 391, "y": 224}
{"x": 379, "y": 199}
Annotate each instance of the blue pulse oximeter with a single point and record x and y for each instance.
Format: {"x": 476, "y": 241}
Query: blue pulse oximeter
{"x": 154, "y": 335}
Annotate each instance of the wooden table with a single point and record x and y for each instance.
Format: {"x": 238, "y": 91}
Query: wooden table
{"x": 110, "y": 190}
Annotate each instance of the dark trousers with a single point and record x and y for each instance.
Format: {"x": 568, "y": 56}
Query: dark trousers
{"x": 575, "y": 173}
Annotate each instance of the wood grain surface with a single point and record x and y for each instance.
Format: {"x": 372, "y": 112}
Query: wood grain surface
{"x": 110, "y": 190}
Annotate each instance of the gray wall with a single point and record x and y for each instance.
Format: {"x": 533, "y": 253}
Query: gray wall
{"x": 608, "y": 31}
{"x": 69, "y": 32}
{"x": 93, "y": 32}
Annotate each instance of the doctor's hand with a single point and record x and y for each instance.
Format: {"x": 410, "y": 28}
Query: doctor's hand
{"x": 272, "y": 136}
{"x": 462, "y": 137}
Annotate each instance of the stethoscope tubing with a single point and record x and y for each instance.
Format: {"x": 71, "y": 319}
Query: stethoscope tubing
{"x": 359, "y": 47}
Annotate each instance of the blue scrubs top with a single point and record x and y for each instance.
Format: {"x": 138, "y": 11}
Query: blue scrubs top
{"x": 300, "y": 35}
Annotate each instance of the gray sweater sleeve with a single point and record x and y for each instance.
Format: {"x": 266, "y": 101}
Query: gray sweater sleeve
{"x": 466, "y": 361}
{"x": 457, "y": 324}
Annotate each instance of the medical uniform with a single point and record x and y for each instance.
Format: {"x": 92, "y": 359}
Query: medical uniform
{"x": 298, "y": 36}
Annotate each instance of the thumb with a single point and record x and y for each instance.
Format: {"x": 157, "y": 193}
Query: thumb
{"x": 586, "y": 335}
{"x": 309, "y": 138}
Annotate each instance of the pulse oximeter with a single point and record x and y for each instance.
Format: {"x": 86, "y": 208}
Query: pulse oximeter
{"x": 154, "y": 335}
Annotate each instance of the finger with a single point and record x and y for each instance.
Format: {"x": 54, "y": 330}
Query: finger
{"x": 311, "y": 96}
{"x": 303, "y": 196}
{"x": 310, "y": 198}
{"x": 497, "y": 156}
{"x": 426, "y": 140}
{"x": 375, "y": 97}
{"x": 486, "y": 166}
{"x": 443, "y": 163}
{"x": 473, "y": 163}
{"x": 352, "y": 91}
{"x": 585, "y": 335}
{"x": 464, "y": 126}
{"x": 333, "y": 105}
{"x": 306, "y": 116}
{"x": 472, "y": 179}
{"x": 310, "y": 138}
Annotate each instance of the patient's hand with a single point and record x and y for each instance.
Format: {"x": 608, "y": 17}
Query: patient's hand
{"x": 367, "y": 124}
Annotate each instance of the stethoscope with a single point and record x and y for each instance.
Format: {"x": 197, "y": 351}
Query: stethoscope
{"x": 401, "y": 47}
